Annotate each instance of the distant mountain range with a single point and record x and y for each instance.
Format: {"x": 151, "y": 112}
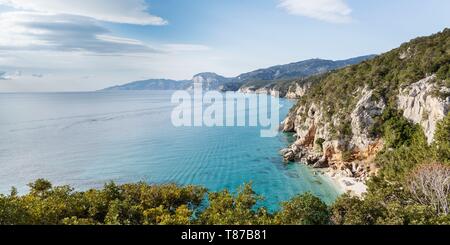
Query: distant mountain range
{"x": 299, "y": 69}
{"x": 262, "y": 77}
{"x": 152, "y": 84}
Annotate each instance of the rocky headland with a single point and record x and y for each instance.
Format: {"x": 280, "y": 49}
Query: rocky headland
{"x": 350, "y": 160}
{"x": 346, "y": 118}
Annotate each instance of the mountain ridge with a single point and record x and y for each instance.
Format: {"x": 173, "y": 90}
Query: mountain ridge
{"x": 263, "y": 76}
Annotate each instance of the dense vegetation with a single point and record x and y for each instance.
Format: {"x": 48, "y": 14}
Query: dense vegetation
{"x": 392, "y": 197}
{"x": 140, "y": 203}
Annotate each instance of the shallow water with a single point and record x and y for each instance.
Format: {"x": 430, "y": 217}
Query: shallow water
{"x": 87, "y": 139}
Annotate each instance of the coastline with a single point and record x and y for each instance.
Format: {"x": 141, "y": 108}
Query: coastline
{"x": 346, "y": 184}
{"x": 341, "y": 182}
{"x": 338, "y": 179}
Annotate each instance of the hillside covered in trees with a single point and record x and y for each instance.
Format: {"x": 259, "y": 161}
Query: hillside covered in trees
{"x": 385, "y": 122}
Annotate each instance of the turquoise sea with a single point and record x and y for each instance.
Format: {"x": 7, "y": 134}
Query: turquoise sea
{"x": 87, "y": 139}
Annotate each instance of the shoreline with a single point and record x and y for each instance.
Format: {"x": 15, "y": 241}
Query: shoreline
{"x": 342, "y": 183}
{"x": 346, "y": 184}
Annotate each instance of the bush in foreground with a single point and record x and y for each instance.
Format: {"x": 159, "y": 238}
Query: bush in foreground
{"x": 143, "y": 204}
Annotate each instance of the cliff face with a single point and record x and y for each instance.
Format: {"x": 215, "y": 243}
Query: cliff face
{"x": 318, "y": 146}
{"x": 353, "y": 155}
{"x": 297, "y": 90}
{"x": 420, "y": 106}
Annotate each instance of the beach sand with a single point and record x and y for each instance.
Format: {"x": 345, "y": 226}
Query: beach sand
{"x": 347, "y": 184}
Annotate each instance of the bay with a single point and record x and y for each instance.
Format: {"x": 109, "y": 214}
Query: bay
{"x": 87, "y": 139}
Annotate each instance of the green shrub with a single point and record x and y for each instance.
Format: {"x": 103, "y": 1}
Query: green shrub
{"x": 304, "y": 209}
{"x": 319, "y": 142}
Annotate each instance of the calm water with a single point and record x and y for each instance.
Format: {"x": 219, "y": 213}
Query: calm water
{"x": 87, "y": 139}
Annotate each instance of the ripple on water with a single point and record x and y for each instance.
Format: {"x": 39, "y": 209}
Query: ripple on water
{"x": 87, "y": 139}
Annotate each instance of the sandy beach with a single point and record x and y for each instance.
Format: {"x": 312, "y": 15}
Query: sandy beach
{"x": 347, "y": 184}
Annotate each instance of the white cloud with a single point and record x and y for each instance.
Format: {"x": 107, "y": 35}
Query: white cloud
{"x": 76, "y": 51}
{"x": 39, "y": 31}
{"x": 32, "y": 31}
{"x": 74, "y": 71}
{"x": 117, "y": 11}
{"x": 334, "y": 11}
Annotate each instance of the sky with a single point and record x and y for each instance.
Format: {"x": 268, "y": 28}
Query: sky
{"x": 85, "y": 45}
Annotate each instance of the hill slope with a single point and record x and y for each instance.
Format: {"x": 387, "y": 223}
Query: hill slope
{"x": 370, "y": 115}
{"x": 299, "y": 69}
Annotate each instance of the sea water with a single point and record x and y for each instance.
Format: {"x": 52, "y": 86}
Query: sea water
{"x": 87, "y": 139}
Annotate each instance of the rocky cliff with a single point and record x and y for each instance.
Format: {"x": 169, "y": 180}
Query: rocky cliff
{"x": 298, "y": 90}
{"x": 421, "y": 106}
{"x": 353, "y": 156}
{"x": 318, "y": 146}
{"x": 337, "y": 121}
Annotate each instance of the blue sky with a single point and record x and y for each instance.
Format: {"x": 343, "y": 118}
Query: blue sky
{"x": 52, "y": 45}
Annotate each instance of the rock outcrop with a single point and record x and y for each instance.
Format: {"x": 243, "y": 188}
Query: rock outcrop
{"x": 420, "y": 105}
{"x": 297, "y": 90}
{"x": 362, "y": 118}
{"x": 317, "y": 146}
{"x": 352, "y": 155}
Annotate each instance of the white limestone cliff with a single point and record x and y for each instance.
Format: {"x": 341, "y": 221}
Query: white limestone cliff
{"x": 420, "y": 105}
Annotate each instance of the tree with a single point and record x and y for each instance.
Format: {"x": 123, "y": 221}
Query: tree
{"x": 224, "y": 208}
{"x": 40, "y": 186}
{"x": 347, "y": 210}
{"x": 161, "y": 215}
{"x": 430, "y": 185}
{"x": 442, "y": 140}
{"x": 304, "y": 209}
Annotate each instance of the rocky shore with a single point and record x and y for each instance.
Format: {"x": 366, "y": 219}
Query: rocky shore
{"x": 348, "y": 177}
{"x": 350, "y": 160}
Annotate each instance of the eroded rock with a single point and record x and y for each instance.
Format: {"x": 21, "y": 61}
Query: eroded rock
{"x": 420, "y": 105}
